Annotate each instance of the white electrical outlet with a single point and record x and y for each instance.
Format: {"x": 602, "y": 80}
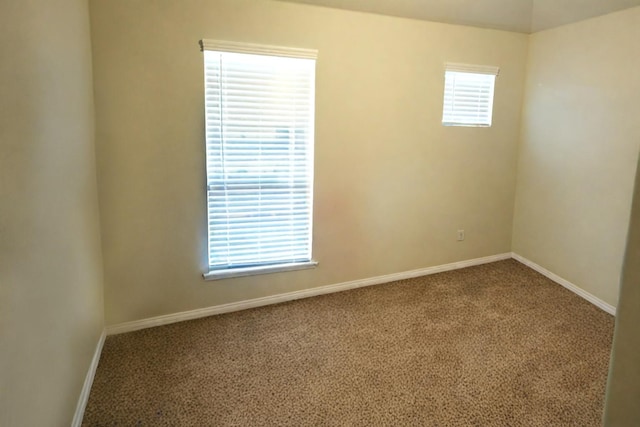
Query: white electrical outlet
{"x": 460, "y": 235}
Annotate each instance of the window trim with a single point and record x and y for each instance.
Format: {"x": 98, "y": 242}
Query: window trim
{"x": 221, "y": 272}
{"x": 475, "y": 70}
{"x": 257, "y": 49}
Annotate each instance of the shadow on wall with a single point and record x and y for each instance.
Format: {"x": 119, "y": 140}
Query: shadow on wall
{"x": 623, "y": 392}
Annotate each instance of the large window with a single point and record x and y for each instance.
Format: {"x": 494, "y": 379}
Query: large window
{"x": 259, "y": 103}
{"x": 468, "y": 95}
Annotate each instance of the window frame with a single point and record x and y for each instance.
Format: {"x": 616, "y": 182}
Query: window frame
{"x": 222, "y": 271}
{"x": 483, "y": 77}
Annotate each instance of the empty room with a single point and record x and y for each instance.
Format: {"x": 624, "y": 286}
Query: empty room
{"x": 319, "y": 212}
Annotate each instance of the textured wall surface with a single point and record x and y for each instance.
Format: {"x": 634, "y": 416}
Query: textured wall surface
{"x": 580, "y": 141}
{"x": 51, "y": 303}
{"x": 392, "y": 185}
{"x": 623, "y": 392}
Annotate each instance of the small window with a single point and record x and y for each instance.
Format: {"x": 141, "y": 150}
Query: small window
{"x": 468, "y": 95}
{"x": 259, "y": 104}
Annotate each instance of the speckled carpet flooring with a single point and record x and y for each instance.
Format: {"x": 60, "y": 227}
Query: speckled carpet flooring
{"x": 493, "y": 345}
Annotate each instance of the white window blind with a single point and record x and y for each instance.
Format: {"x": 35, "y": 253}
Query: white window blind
{"x": 468, "y": 95}
{"x": 259, "y": 103}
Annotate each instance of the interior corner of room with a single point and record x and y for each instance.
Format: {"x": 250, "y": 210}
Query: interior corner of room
{"x": 103, "y": 217}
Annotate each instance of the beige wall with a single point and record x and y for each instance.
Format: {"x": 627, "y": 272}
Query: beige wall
{"x": 623, "y": 390}
{"x": 580, "y": 140}
{"x": 392, "y": 185}
{"x": 51, "y": 305}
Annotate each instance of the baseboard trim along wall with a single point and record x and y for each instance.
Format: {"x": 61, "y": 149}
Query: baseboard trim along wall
{"x": 290, "y": 296}
{"x": 322, "y": 290}
{"x": 88, "y": 382}
{"x": 566, "y": 284}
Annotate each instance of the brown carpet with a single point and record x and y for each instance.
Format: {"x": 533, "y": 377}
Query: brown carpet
{"x": 494, "y": 345}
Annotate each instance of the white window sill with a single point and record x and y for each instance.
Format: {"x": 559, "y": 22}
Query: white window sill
{"x": 252, "y": 271}
{"x": 466, "y": 125}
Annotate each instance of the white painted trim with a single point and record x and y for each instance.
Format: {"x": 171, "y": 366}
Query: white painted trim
{"x": 258, "y": 49}
{"x": 566, "y": 284}
{"x": 263, "y": 269}
{"x": 470, "y": 68}
{"x": 88, "y": 382}
{"x": 290, "y": 296}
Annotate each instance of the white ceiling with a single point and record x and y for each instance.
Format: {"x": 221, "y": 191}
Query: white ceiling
{"x": 524, "y": 16}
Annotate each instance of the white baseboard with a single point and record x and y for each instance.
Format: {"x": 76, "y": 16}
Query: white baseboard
{"x": 322, "y": 290}
{"x": 88, "y": 382}
{"x": 565, "y": 283}
{"x": 290, "y": 296}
